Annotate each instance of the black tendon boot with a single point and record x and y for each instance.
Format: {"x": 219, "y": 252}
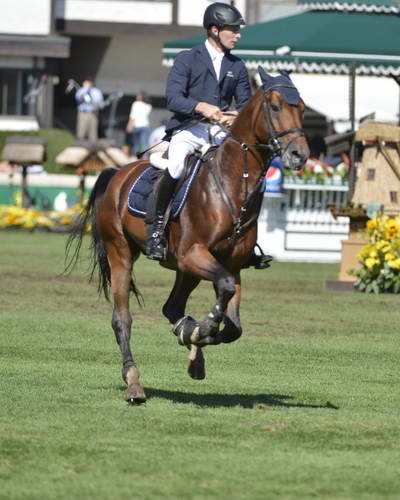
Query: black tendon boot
{"x": 157, "y": 244}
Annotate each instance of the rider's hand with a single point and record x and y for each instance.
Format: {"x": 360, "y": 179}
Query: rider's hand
{"x": 228, "y": 118}
{"x": 209, "y": 111}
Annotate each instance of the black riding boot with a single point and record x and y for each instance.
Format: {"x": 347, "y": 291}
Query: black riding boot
{"x": 157, "y": 244}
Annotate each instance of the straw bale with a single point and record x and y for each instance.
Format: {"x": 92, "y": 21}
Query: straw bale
{"x": 370, "y": 131}
{"x": 118, "y": 156}
{"x": 73, "y": 155}
{"x": 378, "y": 190}
{"x": 105, "y": 159}
{"x": 23, "y": 154}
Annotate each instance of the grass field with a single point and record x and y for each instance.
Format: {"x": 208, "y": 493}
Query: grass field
{"x": 305, "y": 405}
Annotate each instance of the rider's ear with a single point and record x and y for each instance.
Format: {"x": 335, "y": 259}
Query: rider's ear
{"x": 265, "y": 77}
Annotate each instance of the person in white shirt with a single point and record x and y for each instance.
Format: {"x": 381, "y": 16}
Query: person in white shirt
{"x": 138, "y": 123}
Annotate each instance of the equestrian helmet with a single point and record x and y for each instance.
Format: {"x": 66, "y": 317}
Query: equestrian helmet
{"x": 221, "y": 14}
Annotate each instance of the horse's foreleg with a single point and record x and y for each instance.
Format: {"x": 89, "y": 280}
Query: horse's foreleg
{"x": 200, "y": 262}
{"x": 174, "y": 309}
{"x": 120, "y": 260}
{"x": 232, "y": 328}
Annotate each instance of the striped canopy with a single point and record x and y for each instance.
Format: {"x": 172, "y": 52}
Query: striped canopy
{"x": 372, "y": 6}
{"x": 317, "y": 42}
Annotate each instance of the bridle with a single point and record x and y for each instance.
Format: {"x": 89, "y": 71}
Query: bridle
{"x": 274, "y": 136}
{"x": 273, "y": 145}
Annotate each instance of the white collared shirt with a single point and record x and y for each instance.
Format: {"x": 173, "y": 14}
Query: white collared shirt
{"x": 216, "y": 58}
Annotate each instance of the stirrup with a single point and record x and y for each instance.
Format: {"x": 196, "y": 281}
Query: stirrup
{"x": 259, "y": 261}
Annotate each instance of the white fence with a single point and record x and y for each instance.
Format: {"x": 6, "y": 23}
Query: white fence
{"x": 298, "y": 225}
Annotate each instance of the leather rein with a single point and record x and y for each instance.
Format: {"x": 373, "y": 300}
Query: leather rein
{"x": 274, "y": 146}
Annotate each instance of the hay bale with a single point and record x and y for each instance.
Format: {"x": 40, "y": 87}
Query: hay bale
{"x": 73, "y": 155}
{"x": 371, "y": 131}
{"x": 24, "y": 150}
{"x": 118, "y": 157}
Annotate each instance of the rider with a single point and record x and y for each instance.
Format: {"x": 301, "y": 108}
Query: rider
{"x": 201, "y": 84}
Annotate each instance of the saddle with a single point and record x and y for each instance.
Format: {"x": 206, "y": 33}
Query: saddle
{"x": 141, "y": 195}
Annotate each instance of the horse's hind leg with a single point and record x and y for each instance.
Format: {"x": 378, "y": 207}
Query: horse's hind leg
{"x": 174, "y": 307}
{"x": 174, "y": 310}
{"x": 120, "y": 260}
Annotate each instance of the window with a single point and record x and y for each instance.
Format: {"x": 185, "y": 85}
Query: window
{"x": 393, "y": 197}
{"x": 371, "y": 174}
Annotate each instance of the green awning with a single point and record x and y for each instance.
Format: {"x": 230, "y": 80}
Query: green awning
{"x": 371, "y": 6}
{"x": 316, "y": 42}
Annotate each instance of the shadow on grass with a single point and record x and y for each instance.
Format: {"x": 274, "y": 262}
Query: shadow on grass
{"x": 248, "y": 401}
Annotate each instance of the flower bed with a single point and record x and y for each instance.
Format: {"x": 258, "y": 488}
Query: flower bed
{"x": 380, "y": 258}
{"x": 12, "y": 216}
{"x": 319, "y": 172}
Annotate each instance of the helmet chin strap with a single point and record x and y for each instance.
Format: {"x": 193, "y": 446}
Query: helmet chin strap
{"x": 217, "y": 39}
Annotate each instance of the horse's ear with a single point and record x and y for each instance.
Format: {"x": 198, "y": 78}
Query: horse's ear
{"x": 265, "y": 77}
{"x": 286, "y": 74}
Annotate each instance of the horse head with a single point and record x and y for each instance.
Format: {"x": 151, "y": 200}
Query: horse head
{"x": 281, "y": 128}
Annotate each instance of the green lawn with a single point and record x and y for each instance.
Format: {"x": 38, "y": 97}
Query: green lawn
{"x": 305, "y": 405}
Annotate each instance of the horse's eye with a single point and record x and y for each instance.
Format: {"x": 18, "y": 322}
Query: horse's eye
{"x": 275, "y": 107}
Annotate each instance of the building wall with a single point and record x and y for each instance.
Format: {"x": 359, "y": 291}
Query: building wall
{"x": 25, "y": 17}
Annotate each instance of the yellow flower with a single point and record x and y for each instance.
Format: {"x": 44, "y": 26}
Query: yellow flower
{"x": 364, "y": 252}
{"x": 371, "y": 262}
{"x": 389, "y": 257}
{"x": 394, "y": 264}
{"x": 371, "y": 224}
{"x": 373, "y": 253}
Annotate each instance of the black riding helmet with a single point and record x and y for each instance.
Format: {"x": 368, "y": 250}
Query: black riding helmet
{"x": 221, "y": 14}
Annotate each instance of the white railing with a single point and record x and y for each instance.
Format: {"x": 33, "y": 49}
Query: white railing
{"x": 299, "y": 226}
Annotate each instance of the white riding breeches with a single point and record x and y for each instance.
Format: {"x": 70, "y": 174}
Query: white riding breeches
{"x": 184, "y": 142}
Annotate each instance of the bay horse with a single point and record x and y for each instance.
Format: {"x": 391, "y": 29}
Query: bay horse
{"x": 215, "y": 233}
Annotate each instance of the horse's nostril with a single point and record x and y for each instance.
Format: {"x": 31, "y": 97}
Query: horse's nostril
{"x": 299, "y": 157}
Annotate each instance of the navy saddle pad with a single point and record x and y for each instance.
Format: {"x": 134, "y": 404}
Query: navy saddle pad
{"x": 143, "y": 186}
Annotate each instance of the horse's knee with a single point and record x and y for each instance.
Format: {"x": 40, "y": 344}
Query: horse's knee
{"x": 226, "y": 286}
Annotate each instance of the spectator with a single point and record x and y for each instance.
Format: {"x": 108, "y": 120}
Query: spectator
{"x": 138, "y": 123}
{"x": 158, "y": 133}
{"x": 90, "y": 101}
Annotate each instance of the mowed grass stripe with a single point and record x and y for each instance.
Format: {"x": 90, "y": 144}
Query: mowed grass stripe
{"x": 304, "y": 405}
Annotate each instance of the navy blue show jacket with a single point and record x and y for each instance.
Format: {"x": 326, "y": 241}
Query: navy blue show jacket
{"x": 193, "y": 79}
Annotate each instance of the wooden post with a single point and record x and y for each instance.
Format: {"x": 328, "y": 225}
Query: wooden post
{"x": 82, "y": 183}
{"x": 352, "y": 109}
{"x": 24, "y": 187}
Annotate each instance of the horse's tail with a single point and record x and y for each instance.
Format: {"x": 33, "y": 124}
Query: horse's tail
{"x": 87, "y": 221}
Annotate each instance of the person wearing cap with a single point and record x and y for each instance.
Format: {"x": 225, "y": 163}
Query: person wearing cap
{"x": 201, "y": 85}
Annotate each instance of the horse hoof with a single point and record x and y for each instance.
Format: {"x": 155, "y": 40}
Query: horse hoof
{"x": 196, "y": 366}
{"x": 135, "y": 396}
{"x": 135, "y": 401}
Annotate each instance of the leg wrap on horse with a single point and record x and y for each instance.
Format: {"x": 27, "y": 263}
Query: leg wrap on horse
{"x": 210, "y": 325}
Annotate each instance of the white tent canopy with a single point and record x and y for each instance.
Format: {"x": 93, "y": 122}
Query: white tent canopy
{"x": 329, "y": 94}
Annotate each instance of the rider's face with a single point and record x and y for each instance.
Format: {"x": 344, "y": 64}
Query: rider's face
{"x": 229, "y": 36}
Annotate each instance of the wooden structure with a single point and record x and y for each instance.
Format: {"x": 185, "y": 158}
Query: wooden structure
{"x": 377, "y": 185}
{"x": 24, "y": 151}
{"x": 379, "y": 177}
{"x": 92, "y": 157}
